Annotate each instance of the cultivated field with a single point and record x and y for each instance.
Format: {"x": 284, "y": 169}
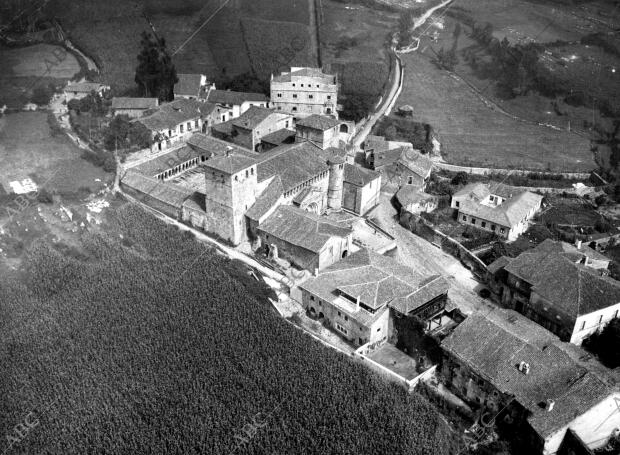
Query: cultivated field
{"x": 24, "y": 68}
{"x": 471, "y": 133}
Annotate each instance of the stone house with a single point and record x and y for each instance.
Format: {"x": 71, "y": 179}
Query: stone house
{"x": 553, "y": 286}
{"x": 319, "y": 129}
{"x": 498, "y": 209}
{"x": 521, "y": 375}
{"x": 412, "y": 200}
{"x": 233, "y": 104}
{"x": 361, "y": 189}
{"x": 359, "y": 295}
{"x": 303, "y": 238}
{"x": 249, "y": 128}
{"x": 79, "y": 90}
{"x": 305, "y": 91}
{"x": 175, "y": 122}
{"x": 133, "y": 107}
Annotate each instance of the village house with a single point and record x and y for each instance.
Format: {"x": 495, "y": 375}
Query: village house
{"x": 361, "y": 189}
{"x": 233, "y": 104}
{"x": 305, "y": 91}
{"x": 79, "y": 90}
{"x": 359, "y": 295}
{"x": 173, "y": 123}
{"x": 521, "y": 375}
{"x": 250, "y": 127}
{"x": 319, "y": 129}
{"x": 303, "y": 238}
{"x": 557, "y": 287}
{"x": 412, "y": 200}
{"x": 498, "y": 209}
{"x": 192, "y": 87}
{"x": 133, "y": 107}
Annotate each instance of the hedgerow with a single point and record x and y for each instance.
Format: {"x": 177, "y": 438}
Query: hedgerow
{"x": 142, "y": 342}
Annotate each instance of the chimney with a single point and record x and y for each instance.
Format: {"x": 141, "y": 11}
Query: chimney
{"x": 524, "y": 367}
{"x": 316, "y": 271}
{"x": 549, "y": 405}
{"x": 228, "y": 150}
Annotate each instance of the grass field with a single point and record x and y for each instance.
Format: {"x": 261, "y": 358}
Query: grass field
{"x": 28, "y": 149}
{"x": 25, "y": 68}
{"x": 473, "y": 134}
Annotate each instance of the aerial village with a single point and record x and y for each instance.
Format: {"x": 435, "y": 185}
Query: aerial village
{"x": 277, "y": 179}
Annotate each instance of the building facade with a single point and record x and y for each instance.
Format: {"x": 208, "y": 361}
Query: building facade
{"x": 305, "y": 91}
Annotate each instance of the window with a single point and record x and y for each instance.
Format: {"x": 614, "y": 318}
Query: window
{"x": 294, "y": 109}
{"x": 293, "y": 84}
{"x": 378, "y": 329}
{"x": 320, "y": 303}
{"x": 492, "y": 227}
{"x": 196, "y": 124}
{"x": 410, "y": 180}
{"x": 346, "y": 318}
{"x": 294, "y": 95}
{"x": 484, "y": 224}
{"x": 457, "y": 203}
{"x": 464, "y": 218}
{"x": 329, "y": 97}
{"x": 473, "y": 221}
{"x": 180, "y": 128}
{"x": 236, "y": 178}
{"x": 583, "y": 325}
{"x": 501, "y": 230}
{"x": 252, "y": 171}
{"x": 310, "y": 96}
{"x": 341, "y": 328}
{"x": 189, "y": 126}
{"x": 279, "y": 95}
{"x": 286, "y": 124}
{"x": 616, "y": 314}
{"x": 339, "y": 314}
{"x": 491, "y": 198}
{"x": 302, "y": 85}
{"x": 317, "y": 85}
{"x": 312, "y": 297}
{"x": 361, "y": 341}
{"x": 600, "y": 319}
{"x": 247, "y": 173}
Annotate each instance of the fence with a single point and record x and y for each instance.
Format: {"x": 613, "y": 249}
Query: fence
{"x": 422, "y": 228}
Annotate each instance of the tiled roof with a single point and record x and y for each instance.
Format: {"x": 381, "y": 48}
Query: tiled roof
{"x": 167, "y": 193}
{"x": 278, "y": 137}
{"x": 168, "y": 160}
{"x": 84, "y": 87}
{"x": 318, "y": 122}
{"x": 573, "y": 289}
{"x": 509, "y": 213}
{"x": 266, "y": 200}
{"x": 415, "y": 162}
{"x": 359, "y": 176}
{"x": 134, "y": 103}
{"x": 378, "y": 281}
{"x": 216, "y": 146}
{"x": 196, "y": 202}
{"x": 493, "y": 350}
{"x": 254, "y": 116}
{"x": 169, "y": 115}
{"x": 294, "y": 163}
{"x": 235, "y": 98}
{"x": 188, "y": 85}
{"x": 552, "y": 246}
{"x": 408, "y": 195}
{"x": 301, "y": 228}
{"x": 306, "y": 72}
{"x": 387, "y": 157}
{"x": 427, "y": 291}
{"x": 230, "y": 163}
{"x": 499, "y": 264}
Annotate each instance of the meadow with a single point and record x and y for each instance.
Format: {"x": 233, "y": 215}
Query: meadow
{"x": 141, "y": 341}
{"x": 472, "y": 133}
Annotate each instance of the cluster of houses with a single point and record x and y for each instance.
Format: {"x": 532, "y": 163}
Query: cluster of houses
{"x": 273, "y": 173}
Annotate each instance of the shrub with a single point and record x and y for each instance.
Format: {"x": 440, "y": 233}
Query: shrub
{"x": 41, "y": 95}
{"x": 461, "y": 178}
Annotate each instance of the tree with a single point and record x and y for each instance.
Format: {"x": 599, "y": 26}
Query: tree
{"x": 155, "y": 73}
{"x": 122, "y": 134}
{"x": 391, "y": 133}
{"x": 42, "y": 95}
{"x": 460, "y": 178}
{"x": 605, "y": 344}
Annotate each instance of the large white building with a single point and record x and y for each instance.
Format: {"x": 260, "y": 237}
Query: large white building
{"x": 305, "y": 91}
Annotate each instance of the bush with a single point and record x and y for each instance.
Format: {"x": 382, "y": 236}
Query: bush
{"x": 41, "y": 95}
{"x": 461, "y": 178}
{"x": 605, "y": 344}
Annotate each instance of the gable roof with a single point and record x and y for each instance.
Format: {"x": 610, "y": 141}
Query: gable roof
{"x": 552, "y": 246}
{"x": 493, "y": 349}
{"x": 120, "y": 102}
{"x": 230, "y": 163}
{"x": 168, "y": 160}
{"x": 315, "y": 73}
{"x": 318, "y": 122}
{"x": 167, "y": 193}
{"x": 359, "y": 176}
{"x": 294, "y": 163}
{"x": 571, "y": 288}
{"x": 301, "y": 228}
{"x": 188, "y": 85}
{"x": 409, "y": 194}
{"x": 169, "y": 115}
{"x": 387, "y": 156}
{"x": 215, "y": 146}
{"x": 378, "y": 281}
{"x": 231, "y": 98}
{"x": 254, "y": 116}
{"x": 416, "y": 162}
{"x": 278, "y": 137}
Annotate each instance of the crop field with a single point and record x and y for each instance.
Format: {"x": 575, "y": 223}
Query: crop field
{"x": 112, "y": 36}
{"x": 25, "y": 68}
{"x": 471, "y": 133}
{"x": 29, "y": 149}
{"x": 572, "y": 212}
{"x": 144, "y": 341}
{"x": 276, "y": 46}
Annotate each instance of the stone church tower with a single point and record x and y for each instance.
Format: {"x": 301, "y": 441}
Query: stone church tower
{"x": 336, "y": 182}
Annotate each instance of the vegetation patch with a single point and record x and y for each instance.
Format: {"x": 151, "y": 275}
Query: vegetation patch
{"x": 151, "y": 340}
